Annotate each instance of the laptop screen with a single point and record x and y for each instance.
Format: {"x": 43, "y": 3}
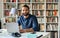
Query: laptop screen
{"x": 12, "y": 27}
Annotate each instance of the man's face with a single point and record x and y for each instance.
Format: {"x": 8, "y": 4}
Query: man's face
{"x": 25, "y": 11}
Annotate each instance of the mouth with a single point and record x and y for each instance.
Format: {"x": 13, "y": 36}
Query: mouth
{"x": 25, "y": 14}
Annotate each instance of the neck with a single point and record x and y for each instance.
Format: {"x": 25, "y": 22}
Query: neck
{"x": 26, "y": 16}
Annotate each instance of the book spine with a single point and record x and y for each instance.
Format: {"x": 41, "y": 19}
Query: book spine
{"x": 54, "y": 13}
{"x": 27, "y": 0}
{"x": 5, "y": 1}
{"x": 22, "y": 0}
{"x": 6, "y": 13}
{"x": 42, "y": 27}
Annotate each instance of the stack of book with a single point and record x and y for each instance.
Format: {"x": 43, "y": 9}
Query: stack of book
{"x": 10, "y": 19}
{"x": 55, "y": 6}
{"x": 9, "y": 5}
{"x": 42, "y": 27}
{"x": 52, "y": 20}
{"x": 49, "y": 13}
{"x": 52, "y": 6}
{"x": 6, "y": 13}
{"x": 52, "y": 27}
{"x": 38, "y": 6}
{"x": 23, "y": 1}
{"x": 51, "y": 0}
{"x": 40, "y": 20}
{"x": 49, "y": 6}
{"x": 20, "y": 5}
{"x": 9, "y": 0}
{"x": 52, "y": 13}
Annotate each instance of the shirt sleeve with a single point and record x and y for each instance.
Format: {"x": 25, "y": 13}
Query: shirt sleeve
{"x": 18, "y": 21}
{"x": 35, "y": 24}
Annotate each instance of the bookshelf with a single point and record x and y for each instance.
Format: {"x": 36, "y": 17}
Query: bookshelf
{"x": 52, "y": 17}
{"x": 46, "y": 11}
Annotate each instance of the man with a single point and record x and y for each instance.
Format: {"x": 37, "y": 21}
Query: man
{"x": 29, "y": 22}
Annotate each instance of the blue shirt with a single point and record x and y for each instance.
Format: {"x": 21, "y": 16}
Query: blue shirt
{"x": 30, "y": 22}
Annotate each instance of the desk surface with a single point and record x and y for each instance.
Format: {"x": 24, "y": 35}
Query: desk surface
{"x": 5, "y": 34}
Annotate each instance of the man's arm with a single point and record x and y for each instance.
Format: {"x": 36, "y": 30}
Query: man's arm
{"x": 25, "y": 30}
{"x": 29, "y": 30}
{"x": 35, "y": 24}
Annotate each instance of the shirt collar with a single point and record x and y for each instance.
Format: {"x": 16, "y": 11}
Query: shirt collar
{"x": 28, "y": 17}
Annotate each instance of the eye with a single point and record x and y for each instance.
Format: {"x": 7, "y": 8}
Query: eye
{"x": 23, "y": 10}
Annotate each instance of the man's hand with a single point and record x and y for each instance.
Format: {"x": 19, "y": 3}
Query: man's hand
{"x": 22, "y": 30}
{"x": 26, "y": 30}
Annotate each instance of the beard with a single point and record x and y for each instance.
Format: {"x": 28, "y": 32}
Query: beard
{"x": 25, "y": 14}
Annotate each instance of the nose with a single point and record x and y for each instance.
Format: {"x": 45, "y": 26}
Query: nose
{"x": 24, "y": 11}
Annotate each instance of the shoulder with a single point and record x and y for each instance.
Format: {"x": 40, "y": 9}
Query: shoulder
{"x": 33, "y": 16}
{"x": 20, "y": 17}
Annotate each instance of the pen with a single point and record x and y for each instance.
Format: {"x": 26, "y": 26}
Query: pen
{"x": 39, "y": 36}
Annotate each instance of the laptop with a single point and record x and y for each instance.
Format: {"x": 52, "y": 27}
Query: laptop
{"x": 12, "y": 27}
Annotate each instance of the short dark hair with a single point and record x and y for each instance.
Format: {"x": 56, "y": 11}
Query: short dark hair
{"x": 26, "y": 6}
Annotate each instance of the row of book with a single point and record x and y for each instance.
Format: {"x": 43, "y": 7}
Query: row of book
{"x": 20, "y": 5}
{"x": 10, "y": 19}
{"x": 51, "y": 0}
{"x": 29, "y": 1}
{"x": 23, "y": 1}
{"x": 7, "y": 12}
{"x": 52, "y": 13}
{"x": 52, "y": 6}
{"x": 52, "y": 20}
{"x": 38, "y": 13}
{"x": 52, "y": 27}
{"x": 37, "y": 0}
{"x": 34, "y": 6}
{"x": 9, "y": 0}
{"x": 40, "y": 20}
{"x": 9, "y": 5}
{"x": 38, "y": 6}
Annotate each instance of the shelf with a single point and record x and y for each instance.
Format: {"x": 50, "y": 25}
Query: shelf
{"x": 52, "y": 2}
{"x": 23, "y": 2}
{"x": 41, "y": 31}
{"x": 45, "y": 11}
{"x": 52, "y": 31}
{"x": 51, "y": 23}
{"x": 9, "y": 16}
{"x": 40, "y": 23}
{"x": 38, "y": 9}
{"x": 38, "y": 2}
{"x": 6, "y": 9}
{"x": 9, "y": 2}
{"x": 51, "y": 16}
{"x": 20, "y": 9}
{"x": 40, "y": 16}
{"x": 51, "y": 9}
